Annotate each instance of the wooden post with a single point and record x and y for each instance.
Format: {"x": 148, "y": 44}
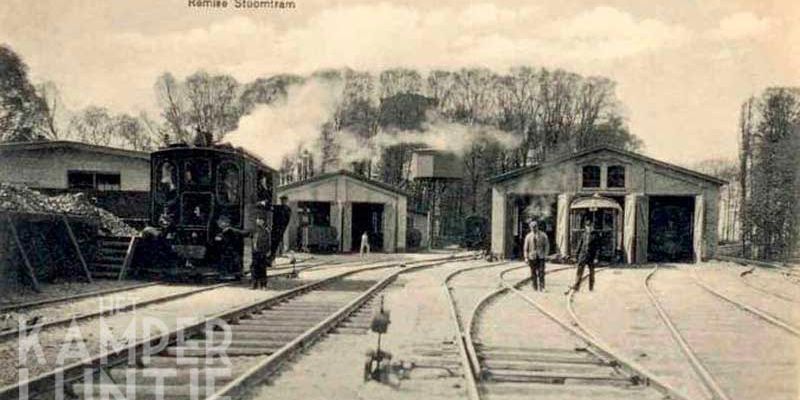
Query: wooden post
{"x": 77, "y": 249}
{"x": 128, "y": 258}
{"x": 28, "y": 266}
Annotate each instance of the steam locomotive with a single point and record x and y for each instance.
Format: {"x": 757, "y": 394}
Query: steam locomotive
{"x": 203, "y": 206}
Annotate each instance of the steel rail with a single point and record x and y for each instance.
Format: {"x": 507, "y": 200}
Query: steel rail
{"x": 483, "y": 302}
{"x": 45, "y": 383}
{"x": 267, "y": 367}
{"x": 763, "y": 315}
{"x": 601, "y": 348}
{"x": 80, "y": 296}
{"x": 711, "y": 386}
{"x": 110, "y": 311}
{"x": 746, "y": 274}
{"x": 466, "y": 349}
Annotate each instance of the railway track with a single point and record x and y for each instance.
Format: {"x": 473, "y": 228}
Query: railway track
{"x": 41, "y": 324}
{"x": 26, "y": 306}
{"x": 250, "y": 343}
{"x": 548, "y": 363}
{"x": 759, "y": 313}
{"x": 712, "y": 388}
{"x": 753, "y": 274}
{"x": 710, "y": 337}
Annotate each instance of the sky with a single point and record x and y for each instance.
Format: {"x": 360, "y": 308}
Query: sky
{"x": 682, "y": 67}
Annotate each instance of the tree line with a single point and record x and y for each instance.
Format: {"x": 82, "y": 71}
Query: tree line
{"x": 769, "y": 173}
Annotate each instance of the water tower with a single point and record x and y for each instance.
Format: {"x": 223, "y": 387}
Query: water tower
{"x": 435, "y": 172}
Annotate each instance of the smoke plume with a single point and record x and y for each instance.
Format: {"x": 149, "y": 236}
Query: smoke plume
{"x": 281, "y": 129}
{"x": 276, "y": 131}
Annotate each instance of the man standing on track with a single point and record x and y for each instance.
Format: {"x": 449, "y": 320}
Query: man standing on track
{"x": 588, "y": 247}
{"x": 535, "y": 249}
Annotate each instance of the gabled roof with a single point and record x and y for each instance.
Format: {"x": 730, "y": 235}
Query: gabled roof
{"x": 342, "y": 172}
{"x": 67, "y": 144}
{"x": 525, "y": 170}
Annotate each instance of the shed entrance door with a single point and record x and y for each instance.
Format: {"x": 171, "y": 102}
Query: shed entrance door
{"x": 670, "y": 231}
{"x": 367, "y": 217}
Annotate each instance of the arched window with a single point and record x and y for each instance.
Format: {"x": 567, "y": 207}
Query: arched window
{"x": 591, "y": 176}
{"x": 616, "y": 176}
{"x": 228, "y": 186}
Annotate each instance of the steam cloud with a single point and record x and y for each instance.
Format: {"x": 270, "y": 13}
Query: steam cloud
{"x": 280, "y": 130}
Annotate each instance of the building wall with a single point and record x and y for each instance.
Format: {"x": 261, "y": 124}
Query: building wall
{"x": 341, "y": 191}
{"x": 642, "y": 179}
{"x": 47, "y": 168}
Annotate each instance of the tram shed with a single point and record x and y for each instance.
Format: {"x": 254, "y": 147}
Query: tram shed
{"x": 643, "y": 209}
{"x": 345, "y": 204}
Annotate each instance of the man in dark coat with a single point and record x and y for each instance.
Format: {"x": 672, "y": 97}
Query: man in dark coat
{"x": 281, "y": 215}
{"x": 588, "y": 248}
{"x": 261, "y": 251}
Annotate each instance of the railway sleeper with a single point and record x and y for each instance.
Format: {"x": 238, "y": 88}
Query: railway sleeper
{"x": 558, "y": 378}
{"x": 172, "y": 376}
{"x": 216, "y": 344}
{"x": 230, "y": 351}
{"x": 550, "y": 391}
{"x": 107, "y": 391}
{"x": 513, "y": 365}
{"x": 254, "y": 335}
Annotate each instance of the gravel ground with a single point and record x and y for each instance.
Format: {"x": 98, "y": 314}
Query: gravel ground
{"x": 630, "y": 324}
{"x": 22, "y": 294}
{"x": 152, "y": 319}
{"x": 750, "y": 358}
{"x": 418, "y": 330}
{"x": 89, "y": 305}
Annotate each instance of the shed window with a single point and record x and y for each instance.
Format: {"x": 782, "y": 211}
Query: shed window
{"x": 616, "y": 176}
{"x": 591, "y": 176}
{"x": 88, "y": 180}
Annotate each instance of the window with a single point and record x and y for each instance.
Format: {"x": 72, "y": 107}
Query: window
{"x": 197, "y": 173}
{"x": 591, "y": 176}
{"x": 616, "y": 176}
{"x": 89, "y": 180}
{"x": 228, "y": 184}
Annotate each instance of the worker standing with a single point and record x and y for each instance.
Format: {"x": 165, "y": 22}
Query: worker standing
{"x": 588, "y": 247}
{"x": 364, "y": 244}
{"x": 261, "y": 248}
{"x": 535, "y": 249}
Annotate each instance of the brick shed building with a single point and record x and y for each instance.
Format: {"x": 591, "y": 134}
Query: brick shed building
{"x": 350, "y": 204}
{"x": 644, "y": 210}
{"x": 119, "y": 179}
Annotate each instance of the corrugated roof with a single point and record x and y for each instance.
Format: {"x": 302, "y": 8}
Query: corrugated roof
{"x": 55, "y": 144}
{"x": 525, "y": 170}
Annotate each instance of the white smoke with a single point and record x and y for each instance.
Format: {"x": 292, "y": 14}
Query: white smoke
{"x": 281, "y": 129}
{"x": 276, "y": 131}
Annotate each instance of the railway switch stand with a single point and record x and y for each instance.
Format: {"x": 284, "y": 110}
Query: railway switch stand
{"x": 373, "y": 368}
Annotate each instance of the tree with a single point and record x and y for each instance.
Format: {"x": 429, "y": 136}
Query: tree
{"x": 267, "y": 90}
{"x": 173, "y": 104}
{"x": 770, "y": 168}
{"x": 52, "y": 113}
{"x": 93, "y": 125}
{"x": 212, "y": 103}
{"x": 22, "y": 110}
{"x": 96, "y": 125}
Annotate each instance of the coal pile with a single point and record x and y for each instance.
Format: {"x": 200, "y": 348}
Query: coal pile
{"x": 14, "y": 198}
